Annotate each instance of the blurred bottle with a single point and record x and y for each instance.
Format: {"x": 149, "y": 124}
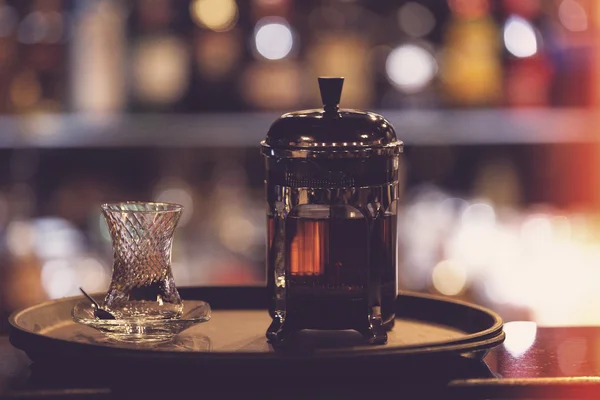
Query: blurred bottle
{"x": 471, "y": 69}
{"x": 8, "y": 52}
{"x": 529, "y": 71}
{"x": 160, "y": 59}
{"x": 528, "y": 82}
{"x": 572, "y": 30}
{"x": 340, "y": 39}
{"x": 594, "y": 28}
{"x": 274, "y": 78}
{"x": 411, "y": 66}
{"x": 39, "y": 80}
{"x": 97, "y": 56}
{"x": 219, "y": 45}
{"x": 21, "y": 284}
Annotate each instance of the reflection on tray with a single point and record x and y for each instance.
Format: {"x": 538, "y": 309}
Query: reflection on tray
{"x": 183, "y": 342}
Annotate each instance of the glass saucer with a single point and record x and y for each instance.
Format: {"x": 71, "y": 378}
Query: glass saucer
{"x": 140, "y": 329}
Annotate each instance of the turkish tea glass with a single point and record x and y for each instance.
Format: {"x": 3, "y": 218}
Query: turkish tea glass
{"x": 142, "y": 284}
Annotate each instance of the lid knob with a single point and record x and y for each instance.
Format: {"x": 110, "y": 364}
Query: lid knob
{"x": 331, "y": 92}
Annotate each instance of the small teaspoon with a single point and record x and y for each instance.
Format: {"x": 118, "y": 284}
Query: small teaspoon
{"x": 99, "y": 312}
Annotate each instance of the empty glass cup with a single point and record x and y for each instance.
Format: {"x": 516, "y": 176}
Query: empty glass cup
{"x": 142, "y": 285}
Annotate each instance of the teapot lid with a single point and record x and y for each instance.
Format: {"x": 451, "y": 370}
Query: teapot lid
{"x": 330, "y": 131}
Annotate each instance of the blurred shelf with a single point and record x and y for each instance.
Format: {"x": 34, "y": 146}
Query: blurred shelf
{"x": 415, "y": 127}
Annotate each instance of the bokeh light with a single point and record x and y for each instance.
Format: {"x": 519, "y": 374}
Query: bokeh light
{"x": 571, "y": 353}
{"x": 520, "y": 37}
{"x": 273, "y": 38}
{"x": 479, "y": 214}
{"x": 410, "y": 67}
{"x": 178, "y": 192}
{"x": 160, "y": 69}
{"x": 59, "y": 278}
{"x": 217, "y": 15}
{"x": 237, "y": 233}
{"x": 57, "y": 238}
{"x": 33, "y": 28}
{"x": 561, "y": 227}
{"x": 520, "y": 336}
{"x": 272, "y": 85}
{"x": 36, "y": 27}
{"x": 91, "y": 274}
{"x": 415, "y": 19}
{"x": 20, "y": 237}
{"x": 472, "y": 245}
{"x": 449, "y": 278}
{"x": 536, "y": 232}
{"x": 573, "y": 16}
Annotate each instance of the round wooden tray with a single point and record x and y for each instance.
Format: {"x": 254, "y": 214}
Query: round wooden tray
{"x": 428, "y": 328}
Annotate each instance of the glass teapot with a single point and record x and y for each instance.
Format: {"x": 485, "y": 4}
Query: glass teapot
{"x": 332, "y": 191}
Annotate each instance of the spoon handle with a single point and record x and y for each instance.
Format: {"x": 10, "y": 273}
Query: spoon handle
{"x": 94, "y": 302}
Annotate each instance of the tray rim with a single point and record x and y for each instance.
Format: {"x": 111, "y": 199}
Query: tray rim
{"x": 469, "y": 343}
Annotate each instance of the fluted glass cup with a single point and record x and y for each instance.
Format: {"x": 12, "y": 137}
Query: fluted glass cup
{"x": 142, "y": 284}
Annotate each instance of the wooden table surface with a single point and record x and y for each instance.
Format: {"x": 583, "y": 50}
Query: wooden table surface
{"x": 534, "y": 362}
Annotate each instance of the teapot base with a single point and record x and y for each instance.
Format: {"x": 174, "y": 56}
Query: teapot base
{"x": 373, "y": 330}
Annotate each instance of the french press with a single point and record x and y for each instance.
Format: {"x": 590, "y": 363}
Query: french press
{"x": 332, "y": 191}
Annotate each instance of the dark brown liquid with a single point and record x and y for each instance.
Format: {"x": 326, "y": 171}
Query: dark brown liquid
{"x": 335, "y": 267}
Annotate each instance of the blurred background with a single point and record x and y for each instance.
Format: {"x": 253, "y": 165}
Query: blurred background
{"x": 497, "y": 103}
